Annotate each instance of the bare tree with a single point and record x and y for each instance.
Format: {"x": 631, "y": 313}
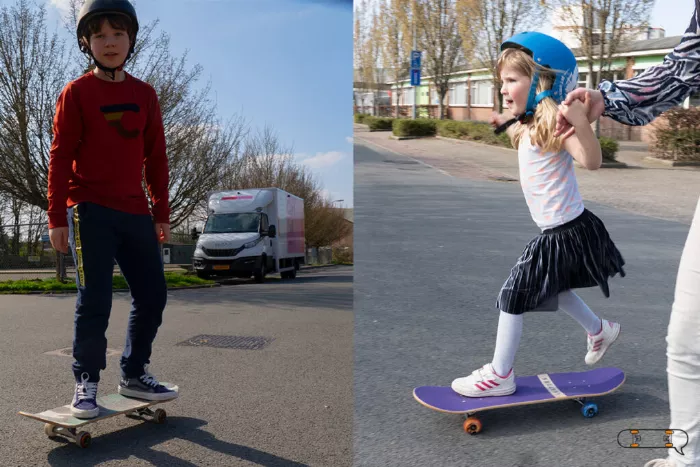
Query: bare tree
{"x": 487, "y": 23}
{"x": 34, "y": 68}
{"x": 394, "y": 20}
{"x": 267, "y": 163}
{"x": 438, "y": 35}
{"x": 601, "y": 27}
{"x": 368, "y": 40}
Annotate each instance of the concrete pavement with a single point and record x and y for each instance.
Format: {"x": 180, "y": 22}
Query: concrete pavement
{"x": 287, "y": 404}
{"x": 662, "y": 192}
{"x": 431, "y": 254}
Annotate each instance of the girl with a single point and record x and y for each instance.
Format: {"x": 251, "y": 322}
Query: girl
{"x": 574, "y": 249}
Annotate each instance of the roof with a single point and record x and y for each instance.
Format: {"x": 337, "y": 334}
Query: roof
{"x": 647, "y": 45}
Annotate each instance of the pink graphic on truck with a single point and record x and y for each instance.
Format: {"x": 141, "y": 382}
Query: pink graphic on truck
{"x": 295, "y": 225}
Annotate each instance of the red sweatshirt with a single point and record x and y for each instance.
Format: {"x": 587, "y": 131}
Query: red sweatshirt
{"x": 107, "y": 137}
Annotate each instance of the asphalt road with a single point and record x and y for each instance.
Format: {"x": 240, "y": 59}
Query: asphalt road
{"x": 287, "y": 404}
{"x": 431, "y": 253}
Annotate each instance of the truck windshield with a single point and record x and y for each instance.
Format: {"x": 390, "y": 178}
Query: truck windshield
{"x": 233, "y": 223}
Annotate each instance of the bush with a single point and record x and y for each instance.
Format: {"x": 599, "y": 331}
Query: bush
{"x": 360, "y": 118}
{"x": 342, "y": 255}
{"x": 379, "y": 123}
{"x": 679, "y": 138}
{"x": 417, "y": 127}
{"x": 608, "y": 147}
{"x": 472, "y": 131}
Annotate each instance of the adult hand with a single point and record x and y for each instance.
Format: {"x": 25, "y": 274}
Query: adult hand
{"x": 596, "y": 107}
{"x": 59, "y": 239}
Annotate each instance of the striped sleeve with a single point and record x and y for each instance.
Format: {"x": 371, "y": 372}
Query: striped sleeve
{"x": 639, "y": 100}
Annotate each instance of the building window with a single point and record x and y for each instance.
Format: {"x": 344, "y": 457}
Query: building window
{"x": 482, "y": 92}
{"x": 458, "y": 94}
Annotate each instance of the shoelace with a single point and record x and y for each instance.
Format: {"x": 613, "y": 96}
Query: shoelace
{"x": 85, "y": 390}
{"x": 148, "y": 379}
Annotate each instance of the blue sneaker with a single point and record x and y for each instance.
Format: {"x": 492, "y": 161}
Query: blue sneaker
{"x": 84, "y": 403}
{"x": 145, "y": 387}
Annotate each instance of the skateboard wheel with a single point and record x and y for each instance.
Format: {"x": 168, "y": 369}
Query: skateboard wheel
{"x": 472, "y": 425}
{"x": 49, "y": 429}
{"x": 84, "y": 439}
{"x": 159, "y": 416}
{"x": 589, "y": 410}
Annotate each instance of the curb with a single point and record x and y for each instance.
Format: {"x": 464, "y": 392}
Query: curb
{"x": 466, "y": 141}
{"x": 187, "y": 287}
{"x": 63, "y": 292}
{"x": 673, "y": 163}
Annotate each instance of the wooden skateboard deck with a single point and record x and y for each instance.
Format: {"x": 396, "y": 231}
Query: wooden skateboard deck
{"x": 538, "y": 389}
{"x": 60, "y": 420}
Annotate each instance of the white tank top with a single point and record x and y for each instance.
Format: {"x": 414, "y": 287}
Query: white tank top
{"x": 549, "y": 184}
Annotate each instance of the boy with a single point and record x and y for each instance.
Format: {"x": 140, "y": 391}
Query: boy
{"x": 107, "y": 130}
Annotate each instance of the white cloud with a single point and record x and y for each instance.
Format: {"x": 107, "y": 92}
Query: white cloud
{"x": 349, "y": 139}
{"x": 62, "y": 5}
{"x": 323, "y": 159}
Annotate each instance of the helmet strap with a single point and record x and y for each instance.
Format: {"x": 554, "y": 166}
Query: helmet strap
{"x": 531, "y": 101}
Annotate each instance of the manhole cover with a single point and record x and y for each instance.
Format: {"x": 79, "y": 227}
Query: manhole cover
{"x": 68, "y": 352}
{"x": 228, "y": 342}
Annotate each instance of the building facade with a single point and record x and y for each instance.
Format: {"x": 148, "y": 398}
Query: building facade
{"x": 472, "y": 96}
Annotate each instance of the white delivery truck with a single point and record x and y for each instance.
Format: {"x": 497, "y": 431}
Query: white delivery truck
{"x": 251, "y": 232}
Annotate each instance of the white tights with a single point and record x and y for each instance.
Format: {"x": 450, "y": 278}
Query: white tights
{"x": 510, "y": 329}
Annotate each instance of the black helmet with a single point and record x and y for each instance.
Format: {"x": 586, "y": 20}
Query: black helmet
{"x": 96, "y": 7}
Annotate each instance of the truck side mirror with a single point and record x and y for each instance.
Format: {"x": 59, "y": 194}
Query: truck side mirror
{"x": 271, "y": 231}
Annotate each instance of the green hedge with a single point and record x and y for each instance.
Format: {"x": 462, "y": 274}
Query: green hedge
{"x": 417, "y": 127}
{"x": 379, "y": 123}
{"x": 360, "y": 118}
{"x": 472, "y": 131}
{"x": 609, "y": 148}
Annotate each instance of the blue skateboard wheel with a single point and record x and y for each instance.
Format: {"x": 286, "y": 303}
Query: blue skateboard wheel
{"x": 589, "y": 410}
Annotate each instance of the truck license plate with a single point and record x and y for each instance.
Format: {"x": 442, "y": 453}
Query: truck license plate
{"x": 220, "y": 267}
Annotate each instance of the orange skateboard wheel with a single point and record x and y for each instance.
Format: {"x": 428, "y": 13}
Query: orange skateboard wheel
{"x": 472, "y": 425}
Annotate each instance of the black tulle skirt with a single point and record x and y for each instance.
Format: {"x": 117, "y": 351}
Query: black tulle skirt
{"x": 574, "y": 255}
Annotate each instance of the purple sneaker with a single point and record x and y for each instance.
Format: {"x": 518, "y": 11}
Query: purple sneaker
{"x": 84, "y": 403}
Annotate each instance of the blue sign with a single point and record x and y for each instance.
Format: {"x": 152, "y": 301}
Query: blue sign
{"x": 415, "y": 77}
{"x": 415, "y": 59}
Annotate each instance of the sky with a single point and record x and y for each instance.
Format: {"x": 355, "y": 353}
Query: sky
{"x": 672, "y": 15}
{"x": 282, "y": 63}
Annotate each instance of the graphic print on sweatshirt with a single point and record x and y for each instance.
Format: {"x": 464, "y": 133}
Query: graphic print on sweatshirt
{"x": 114, "y": 115}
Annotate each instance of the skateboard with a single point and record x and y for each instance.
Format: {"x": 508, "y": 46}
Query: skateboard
{"x": 60, "y": 422}
{"x": 538, "y": 389}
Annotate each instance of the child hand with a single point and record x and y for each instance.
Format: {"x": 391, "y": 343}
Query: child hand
{"x": 497, "y": 119}
{"x": 59, "y": 239}
{"x": 576, "y": 113}
{"x": 163, "y": 232}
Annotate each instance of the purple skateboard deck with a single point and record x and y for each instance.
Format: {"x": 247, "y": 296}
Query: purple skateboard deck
{"x": 529, "y": 390}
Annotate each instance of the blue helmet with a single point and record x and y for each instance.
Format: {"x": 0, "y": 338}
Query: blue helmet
{"x": 551, "y": 53}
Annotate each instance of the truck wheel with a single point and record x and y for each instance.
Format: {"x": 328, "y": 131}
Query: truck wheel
{"x": 259, "y": 275}
{"x": 292, "y": 274}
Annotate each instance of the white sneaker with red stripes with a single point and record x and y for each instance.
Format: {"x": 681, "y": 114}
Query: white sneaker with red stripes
{"x": 598, "y": 344}
{"x": 485, "y": 382}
